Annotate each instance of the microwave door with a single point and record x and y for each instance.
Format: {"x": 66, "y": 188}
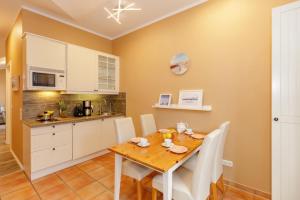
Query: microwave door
{"x": 43, "y": 79}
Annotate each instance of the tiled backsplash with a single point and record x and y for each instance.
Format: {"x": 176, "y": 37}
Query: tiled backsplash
{"x": 35, "y": 102}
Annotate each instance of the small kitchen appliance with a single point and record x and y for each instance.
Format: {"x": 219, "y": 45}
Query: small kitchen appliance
{"x": 87, "y": 108}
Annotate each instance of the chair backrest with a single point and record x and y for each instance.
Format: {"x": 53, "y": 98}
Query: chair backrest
{"x": 218, "y": 162}
{"x": 125, "y": 129}
{"x": 148, "y": 124}
{"x": 202, "y": 174}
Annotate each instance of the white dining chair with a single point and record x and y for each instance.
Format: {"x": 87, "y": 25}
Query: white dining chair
{"x": 217, "y": 176}
{"x": 148, "y": 124}
{"x": 193, "y": 185}
{"x": 125, "y": 131}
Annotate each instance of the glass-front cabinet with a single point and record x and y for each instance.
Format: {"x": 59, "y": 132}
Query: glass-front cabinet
{"x": 108, "y": 74}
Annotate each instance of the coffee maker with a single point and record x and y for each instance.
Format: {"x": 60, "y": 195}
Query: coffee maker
{"x": 87, "y": 108}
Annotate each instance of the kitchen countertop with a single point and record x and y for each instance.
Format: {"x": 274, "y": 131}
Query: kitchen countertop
{"x": 35, "y": 123}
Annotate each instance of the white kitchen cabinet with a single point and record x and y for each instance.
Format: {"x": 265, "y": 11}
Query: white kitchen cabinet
{"x": 86, "y": 138}
{"x": 108, "y": 73}
{"x": 46, "y": 146}
{"x": 42, "y": 52}
{"x": 82, "y": 69}
{"x": 108, "y": 133}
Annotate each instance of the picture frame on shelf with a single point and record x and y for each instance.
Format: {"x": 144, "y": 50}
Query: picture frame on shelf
{"x": 190, "y": 98}
{"x": 165, "y": 99}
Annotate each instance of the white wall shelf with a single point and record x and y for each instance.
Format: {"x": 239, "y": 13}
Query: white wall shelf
{"x": 205, "y": 108}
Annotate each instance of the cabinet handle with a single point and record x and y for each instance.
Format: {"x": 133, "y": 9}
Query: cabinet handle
{"x": 53, "y": 149}
{"x": 53, "y": 126}
{"x": 53, "y": 133}
{"x": 276, "y": 119}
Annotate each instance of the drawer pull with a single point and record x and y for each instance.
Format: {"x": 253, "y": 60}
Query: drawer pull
{"x": 53, "y": 133}
{"x": 53, "y": 149}
{"x": 53, "y": 126}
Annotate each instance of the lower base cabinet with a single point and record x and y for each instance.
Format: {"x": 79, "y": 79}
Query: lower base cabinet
{"x": 48, "y": 146}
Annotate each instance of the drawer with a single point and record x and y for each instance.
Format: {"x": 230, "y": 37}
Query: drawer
{"x": 50, "y": 157}
{"x": 47, "y": 137}
{"x": 41, "y": 159}
{"x": 62, "y": 154}
{"x": 51, "y": 129}
{"x": 40, "y": 142}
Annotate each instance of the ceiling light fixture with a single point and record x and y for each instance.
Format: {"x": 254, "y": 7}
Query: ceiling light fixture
{"x": 116, "y": 12}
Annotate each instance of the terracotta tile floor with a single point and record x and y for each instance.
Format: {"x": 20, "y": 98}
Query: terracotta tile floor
{"x": 90, "y": 180}
{"x": 7, "y": 161}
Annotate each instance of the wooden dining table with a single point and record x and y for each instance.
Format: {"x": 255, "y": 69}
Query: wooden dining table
{"x": 155, "y": 157}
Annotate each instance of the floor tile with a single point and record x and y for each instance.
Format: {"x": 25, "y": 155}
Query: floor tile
{"x": 80, "y": 182}
{"x": 108, "y": 182}
{"x": 90, "y": 191}
{"x": 104, "y": 196}
{"x": 100, "y": 173}
{"x": 70, "y": 173}
{"x": 89, "y": 166}
{"x": 56, "y": 193}
{"x": 46, "y": 183}
{"x": 24, "y": 193}
{"x": 13, "y": 182}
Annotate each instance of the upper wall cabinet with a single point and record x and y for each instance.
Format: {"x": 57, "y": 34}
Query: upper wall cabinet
{"x": 108, "y": 73}
{"x": 82, "y": 70}
{"x": 43, "y": 52}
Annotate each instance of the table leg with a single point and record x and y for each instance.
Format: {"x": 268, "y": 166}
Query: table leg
{"x": 167, "y": 185}
{"x": 118, "y": 170}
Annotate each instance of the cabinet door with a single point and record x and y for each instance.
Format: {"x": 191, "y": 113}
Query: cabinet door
{"x": 82, "y": 69}
{"x": 45, "y": 53}
{"x": 41, "y": 159}
{"x": 108, "y": 73}
{"x": 86, "y": 138}
{"x": 108, "y": 133}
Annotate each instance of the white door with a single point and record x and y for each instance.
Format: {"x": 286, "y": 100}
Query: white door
{"x": 286, "y": 103}
{"x": 43, "y": 52}
{"x": 82, "y": 71}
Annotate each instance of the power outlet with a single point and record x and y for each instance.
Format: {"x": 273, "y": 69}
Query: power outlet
{"x": 227, "y": 163}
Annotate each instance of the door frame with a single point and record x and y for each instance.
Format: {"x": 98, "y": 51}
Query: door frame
{"x": 276, "y": 94}
{"x": 8, "y": 104}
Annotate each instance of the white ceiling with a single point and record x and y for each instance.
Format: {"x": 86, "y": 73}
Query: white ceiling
{"x": 91, "y": 16}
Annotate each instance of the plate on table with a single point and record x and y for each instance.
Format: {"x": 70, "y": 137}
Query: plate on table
{"x": 189, "y": 133}
{"x": 164, "y": 130}
{"x": 198, "y": 136}
{"x": 135, "y": 140}
{"x": 178, "y": 149}
{"x": 143, "y": 145}
{"x": 164, "y": 145}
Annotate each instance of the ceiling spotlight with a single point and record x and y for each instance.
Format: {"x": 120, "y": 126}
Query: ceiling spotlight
{"x": 116, "y": 12}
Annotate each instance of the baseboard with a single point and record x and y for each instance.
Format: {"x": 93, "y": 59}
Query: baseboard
{"x": 17, "y": 159}
{"x": 247, "y": 189}
{"x": 50, "y": 170}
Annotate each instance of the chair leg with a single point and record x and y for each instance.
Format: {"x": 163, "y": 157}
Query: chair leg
{"x": 213, "y": 192}
{"x": 139, "y": 190}
{"x": 154, "y": 194}
{"x": 221, "y": 184}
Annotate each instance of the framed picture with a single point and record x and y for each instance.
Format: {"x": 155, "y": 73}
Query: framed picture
{"x": 15, "y": 83}
{"x": 165, "y": 99}
{"x": 190, "y": 97}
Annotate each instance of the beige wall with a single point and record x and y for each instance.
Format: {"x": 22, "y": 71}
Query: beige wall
{"x": 2, "y": 46}
{"x": 14, "y": 56}
{"x": 41, "y": 25}
{"x": 2, "y": 87}
{"x": 229, "y": 44}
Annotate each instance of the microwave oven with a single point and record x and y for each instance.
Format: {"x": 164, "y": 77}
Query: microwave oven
{"x": 46, "y": 79}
